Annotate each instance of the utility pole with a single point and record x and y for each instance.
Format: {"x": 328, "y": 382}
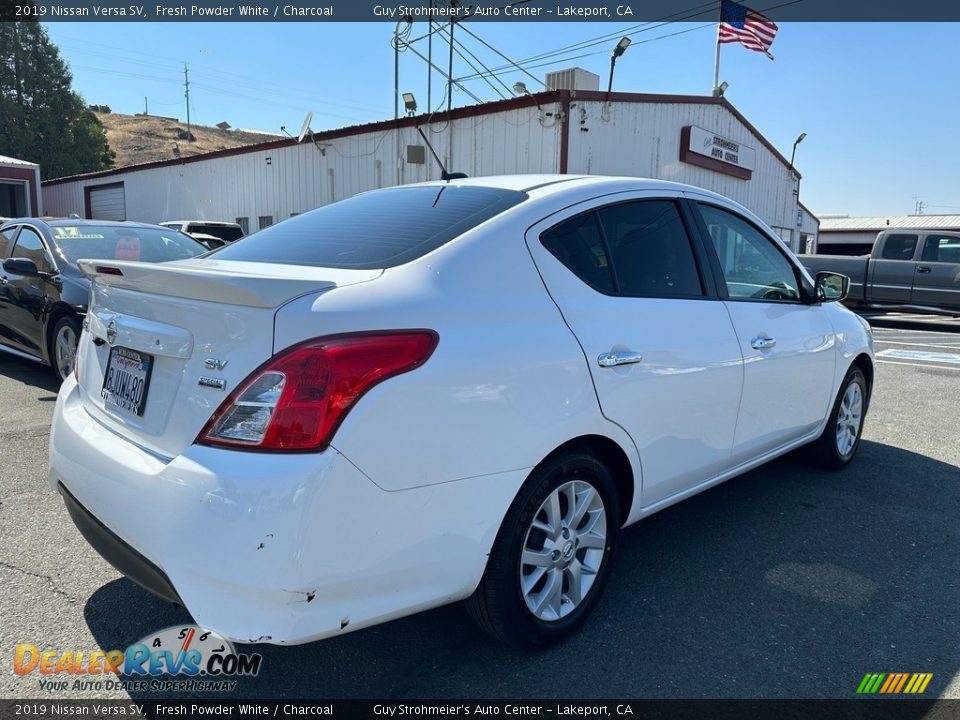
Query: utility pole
{"x": 430, "y": 58}
{"x": 146, "y": 109}
{"x": 186, "y": 94}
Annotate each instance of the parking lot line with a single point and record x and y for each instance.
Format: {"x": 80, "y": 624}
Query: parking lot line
{"x": 920, "y": 365}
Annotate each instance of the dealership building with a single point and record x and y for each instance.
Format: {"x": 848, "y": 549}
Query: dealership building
{"x": 702, "y": 141}
{"x": 19, "y": 188}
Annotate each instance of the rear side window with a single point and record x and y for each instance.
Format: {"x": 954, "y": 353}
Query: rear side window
{"x": 227, "y": 233}
{"x": 899, "y": 247}
{"x": 650, "y": 249}
{"x": 379, "y": 229}
{"x": 578, "y": 244}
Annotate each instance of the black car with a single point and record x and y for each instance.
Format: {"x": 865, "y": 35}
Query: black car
{"x": 43, "y": 294}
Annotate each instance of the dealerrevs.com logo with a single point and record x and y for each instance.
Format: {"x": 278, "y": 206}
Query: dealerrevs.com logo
{"x": 177, "y": 659}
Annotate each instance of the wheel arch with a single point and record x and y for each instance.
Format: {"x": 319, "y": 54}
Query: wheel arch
{"x": 58, "y": 311}
{"x": 613, "y": 456}
{"x": 865, "y": 364}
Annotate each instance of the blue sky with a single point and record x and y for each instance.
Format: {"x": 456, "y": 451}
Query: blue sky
{"x": 880, "y": 103}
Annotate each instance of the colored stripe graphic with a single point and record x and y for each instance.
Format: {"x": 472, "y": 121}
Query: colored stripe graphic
{"x": 894, "y": 683}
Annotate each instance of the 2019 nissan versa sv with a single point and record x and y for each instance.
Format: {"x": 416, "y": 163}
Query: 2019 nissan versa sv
{"x": 441, "y": 392}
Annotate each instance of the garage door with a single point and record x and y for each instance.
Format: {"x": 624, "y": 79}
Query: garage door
{"x": 107, "y": 202}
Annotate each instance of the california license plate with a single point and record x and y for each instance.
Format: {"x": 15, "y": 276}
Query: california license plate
{"x": 127, "y": 379}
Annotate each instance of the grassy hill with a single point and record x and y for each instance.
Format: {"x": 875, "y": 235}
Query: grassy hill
{"x": 138, "y": 139}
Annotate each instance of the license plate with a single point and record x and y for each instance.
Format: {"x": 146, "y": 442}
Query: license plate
{"x": 127, "y": 379}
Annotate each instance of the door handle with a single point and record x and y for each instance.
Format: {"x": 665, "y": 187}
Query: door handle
{"x": 762, "y": 343}
{"x": 923, "y": 269}
{"x": 612, "y": 359}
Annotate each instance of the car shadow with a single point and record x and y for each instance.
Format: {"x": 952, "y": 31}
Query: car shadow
{"x": 788, "y": 582}
{"x": 932, "y": 323}
{"x": 29, "y": 373}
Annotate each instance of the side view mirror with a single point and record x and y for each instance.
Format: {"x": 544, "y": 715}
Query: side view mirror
{"x": 21, "y": 266}
{"x": 832, "y": 287}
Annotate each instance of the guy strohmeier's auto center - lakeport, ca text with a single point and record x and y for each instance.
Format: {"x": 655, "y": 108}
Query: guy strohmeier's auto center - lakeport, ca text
{"x": 380, "y": 12}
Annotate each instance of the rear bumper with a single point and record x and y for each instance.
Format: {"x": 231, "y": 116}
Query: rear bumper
{"x": 269, "y": 547}
{"x": 118, "y": 553}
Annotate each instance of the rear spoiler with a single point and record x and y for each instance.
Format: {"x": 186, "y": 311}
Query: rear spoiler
{"x": 221, "y": 281}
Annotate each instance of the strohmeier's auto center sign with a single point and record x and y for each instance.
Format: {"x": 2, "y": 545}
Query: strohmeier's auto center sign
{"x": 715, "y": 152}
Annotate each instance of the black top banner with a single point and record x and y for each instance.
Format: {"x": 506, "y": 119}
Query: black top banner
{"x": 471, "y": 10}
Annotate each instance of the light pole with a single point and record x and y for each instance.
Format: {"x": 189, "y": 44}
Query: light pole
{"x": 795, "y": 143}
{"x": 617, "y": 52}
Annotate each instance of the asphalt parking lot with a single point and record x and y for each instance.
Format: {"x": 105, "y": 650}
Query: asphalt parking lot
{"x": 786, "y": 582}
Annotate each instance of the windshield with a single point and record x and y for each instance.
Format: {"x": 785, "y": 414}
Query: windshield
{"x": 379, "y": 229}
{"x": 118, "y": 242}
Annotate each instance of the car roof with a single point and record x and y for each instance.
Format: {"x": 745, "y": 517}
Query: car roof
{"x": 549, "y": 184}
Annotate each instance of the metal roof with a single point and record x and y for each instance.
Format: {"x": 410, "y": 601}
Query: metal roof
{"x": 876, "y": 224}
{"x": 13, "y": 161}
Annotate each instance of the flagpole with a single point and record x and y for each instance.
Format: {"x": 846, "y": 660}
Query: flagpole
{"x": 716, "y": 66}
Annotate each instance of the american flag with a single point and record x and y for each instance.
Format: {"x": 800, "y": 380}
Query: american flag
{"x": 738, "y": 23}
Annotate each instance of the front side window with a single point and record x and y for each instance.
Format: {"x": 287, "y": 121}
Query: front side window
{"x": 650, "y": 250}
{"x": 753, "y": 267}
{"x": 941, "y": 248}
{"x": 899, "y": 247}
{"x": 30, "y": 246}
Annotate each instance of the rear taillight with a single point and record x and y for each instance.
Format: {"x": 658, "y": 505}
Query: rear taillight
{"x": 298, "y": 398}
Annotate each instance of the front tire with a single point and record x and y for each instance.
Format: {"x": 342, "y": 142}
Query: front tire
{"x": 63, "y": 346}
{"x": 552, "y": 556}
{"x": 841, "y": 437}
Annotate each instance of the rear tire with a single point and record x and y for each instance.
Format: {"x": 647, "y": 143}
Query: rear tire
{"x": 63, "y": 346}
{"x": 550, "y": 561}
{"x": 841, "y": 437}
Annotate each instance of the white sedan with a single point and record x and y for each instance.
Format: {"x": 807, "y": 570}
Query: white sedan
{"x": 441, "y": 392}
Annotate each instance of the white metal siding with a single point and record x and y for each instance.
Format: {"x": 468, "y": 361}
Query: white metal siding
{"x": 644, "y": 139}
{"x": 108, "y": 203}
{"x": 293, "y": 179}
{"x": 638, "y": 139}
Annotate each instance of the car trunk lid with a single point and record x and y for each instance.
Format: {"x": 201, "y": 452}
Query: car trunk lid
{"x": 167, "y": 343}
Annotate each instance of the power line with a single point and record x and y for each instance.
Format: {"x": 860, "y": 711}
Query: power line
{"x": 473, "y": 67}
{"x": 491, "y": 47}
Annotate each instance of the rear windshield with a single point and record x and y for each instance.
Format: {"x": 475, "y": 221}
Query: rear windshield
{"x": 118, "y": 242}
{"x": 227, "y": 233}
{"x": 379, "y": 229}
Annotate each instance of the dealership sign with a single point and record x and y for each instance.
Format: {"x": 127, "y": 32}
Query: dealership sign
{"x": 715, "y": 152}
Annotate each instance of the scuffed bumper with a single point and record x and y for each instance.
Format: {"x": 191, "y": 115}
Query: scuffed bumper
{"x": 271, "y": 547}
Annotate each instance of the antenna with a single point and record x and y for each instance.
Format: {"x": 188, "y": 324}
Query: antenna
{"x": 444, "y": 175}
{"x": 305, "y": 128}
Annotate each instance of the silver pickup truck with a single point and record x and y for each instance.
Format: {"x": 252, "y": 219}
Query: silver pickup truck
{"x": 916, "y": 270}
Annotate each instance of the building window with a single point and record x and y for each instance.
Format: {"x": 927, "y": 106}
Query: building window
{"x": 244, "y": 224}
{"x": 264, "y": 221}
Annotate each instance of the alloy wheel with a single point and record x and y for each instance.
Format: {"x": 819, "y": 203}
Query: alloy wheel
{"x": 562, "y": 551}
{"x": 849, "y": 418}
